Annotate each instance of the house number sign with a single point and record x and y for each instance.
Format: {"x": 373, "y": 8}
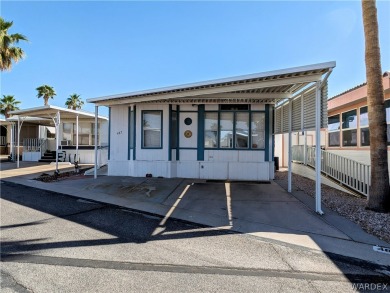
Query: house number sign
{"x": 188, "y": 133}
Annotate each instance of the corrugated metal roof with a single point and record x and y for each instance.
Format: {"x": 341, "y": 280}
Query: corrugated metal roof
{"x": 49, "y": 110}
{"x": 250, "y": 83}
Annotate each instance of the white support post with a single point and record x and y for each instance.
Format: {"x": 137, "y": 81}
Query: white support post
{"x": 305, "y": 147}
{"x": 270, "y": 143}
{"x": 18, "y": 150}
{"x": 289, "y": 189}
{"x": 318, "y": 148}
{"x": 96, "y": 141}
{"x": 77, "y": 139}
{"x": 57, "y": 125}
{"x": 11, "y": 145}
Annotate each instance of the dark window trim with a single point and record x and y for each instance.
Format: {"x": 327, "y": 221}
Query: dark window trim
{"x": 249, "y": 148}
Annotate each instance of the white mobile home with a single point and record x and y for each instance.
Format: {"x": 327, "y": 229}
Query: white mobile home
{"x": 219, "y": 129}
{"x": 65, "y": 133}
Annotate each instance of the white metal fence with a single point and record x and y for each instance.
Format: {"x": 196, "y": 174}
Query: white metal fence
{"x": 35, "y": 145}
{"x": 348, "y": 172}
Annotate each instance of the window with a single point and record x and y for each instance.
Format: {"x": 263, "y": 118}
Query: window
{"x": 364, "y": 130}
{"x": 151, "y": 129}
{"x": 235, "y": 130}
{"x": 226, "y": 130}
{"x": 232, "y": 107}
{"x": 242, "y": 130}
{"x": 387, "y": 106}
{"x": 258, "y": 130}
{"x": 334, "y": 131}
{"x": 349, "y": 124}
{"x": 211, "y": 130}
{"x": 86, "y": 133}
{"x": 67, "y": 129}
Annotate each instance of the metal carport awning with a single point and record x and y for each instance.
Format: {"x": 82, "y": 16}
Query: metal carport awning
{"x": 272, "y": 87}
{"x": 49, "y": 116}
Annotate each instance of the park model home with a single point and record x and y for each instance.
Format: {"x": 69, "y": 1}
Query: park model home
{"x": 219, "y": 129}
{"x": 63, "y": 134}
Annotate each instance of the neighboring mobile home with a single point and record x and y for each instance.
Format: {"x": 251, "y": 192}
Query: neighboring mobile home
{"x": 69, "y": 133}
{"x": 348, "y": 133}
{"x": 219, "y": 129}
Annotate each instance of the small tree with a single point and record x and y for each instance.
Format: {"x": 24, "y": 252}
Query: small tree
{"x": 379, "y": 195}
{"x": 7, "y": 104}
{"x": 74, "y": 102}
{"x": 45, "y": 92}
{"x": 8, "y": 52}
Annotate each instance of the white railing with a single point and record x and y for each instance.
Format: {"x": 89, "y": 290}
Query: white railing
{"x": 3, "y": 140}
{"x": 351, "y": 173}
{"x": 35, "y": 145}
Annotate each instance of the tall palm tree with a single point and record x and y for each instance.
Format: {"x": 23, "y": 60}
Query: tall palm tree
{"x": 8, "y": 52}
{"x": 7, "y": 104}
{"x": 379, "y": 194}
{"x": 74, "y": 102}
{"x": 45, "y": 92}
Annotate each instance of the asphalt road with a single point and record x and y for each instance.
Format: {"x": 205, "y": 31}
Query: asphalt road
{"x": 56, "y": 243}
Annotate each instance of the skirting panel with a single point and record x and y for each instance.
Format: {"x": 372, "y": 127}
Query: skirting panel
{"x": 195, "y": 169}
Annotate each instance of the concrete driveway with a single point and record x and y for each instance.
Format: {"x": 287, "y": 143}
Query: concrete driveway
{"x": 263, "y": 210}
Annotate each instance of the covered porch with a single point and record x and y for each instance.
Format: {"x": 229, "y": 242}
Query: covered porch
{"x": 67, "y": 136}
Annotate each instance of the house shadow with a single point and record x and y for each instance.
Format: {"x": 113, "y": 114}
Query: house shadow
{"x": 249, "y": 208}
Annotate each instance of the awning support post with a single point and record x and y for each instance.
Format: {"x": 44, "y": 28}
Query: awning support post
{"x": 57, "y": 125}
{"x": 12, "y": 150}
{"x": 77, "y": 139}
{"x": 18, "y": 150}
{"x": 96, "y": 141}
{"x": 318, "y": 148}
{"x": 289, "y": 188}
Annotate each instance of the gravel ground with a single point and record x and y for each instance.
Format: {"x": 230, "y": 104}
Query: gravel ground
{"x": 346, "y": 205}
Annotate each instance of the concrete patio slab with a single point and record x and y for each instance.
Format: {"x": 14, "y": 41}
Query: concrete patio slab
{"x": 263, "y": 210}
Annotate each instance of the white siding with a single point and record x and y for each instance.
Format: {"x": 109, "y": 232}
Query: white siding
{"x": 188, "y": 155}
{"x": 188, "y": 107}
{"x": 152, "y": 154}
{"x": 192, "y": 141}
{"x": 233, "y": 156}
{"x": 188, "y": 169}
{"x": 258, "y": 107}
{"x": 211, "y": 107}
{"x": 119, "y": 133}
{"x": 213, "y": 170}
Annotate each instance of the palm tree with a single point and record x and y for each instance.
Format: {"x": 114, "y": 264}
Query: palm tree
{"x": 74, "y": 102}
{"x": 379, "y": 195}
{"x": 46, "y": 92}
{"x": 7, "y": 104}
{"x": 9, "y": 53}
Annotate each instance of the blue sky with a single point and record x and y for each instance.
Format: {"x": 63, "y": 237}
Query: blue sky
{"x": 96, "y": 48}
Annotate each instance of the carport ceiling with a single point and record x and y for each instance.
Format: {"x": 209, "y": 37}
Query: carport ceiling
{"x": 268, "y": 87}
{"x": 49, "y": 112}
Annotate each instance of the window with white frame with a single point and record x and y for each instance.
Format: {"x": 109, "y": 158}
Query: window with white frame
{"x": 86, "y": 133}
{"x": 349, "y": 128}
{"x": 387, "y": 107}
{"x": 334, "y": 131}
{"x": 258, "y": 130}
{"x": 151, "y": 129}
{"x": 211, "y": 130}
{"x": 364, "y": 130}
